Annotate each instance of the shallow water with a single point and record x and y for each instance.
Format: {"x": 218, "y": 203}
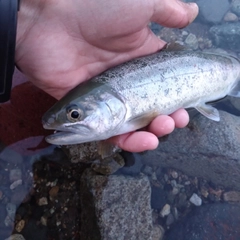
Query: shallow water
{"x": 42, "y": 194}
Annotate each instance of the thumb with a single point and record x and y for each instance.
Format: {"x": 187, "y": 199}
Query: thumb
{"x": 174, "y": 13}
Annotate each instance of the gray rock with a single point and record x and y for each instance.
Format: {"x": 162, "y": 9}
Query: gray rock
{"x": 230, "y": 17}
{"x": 210, "y": 221}
{"x": 212, "y": 11}
{"x": 10, "y": 156}
{"x": 191, "y": 41}
{"x": 226, "y": 36}
{"x": 115, "y": 207}
{"x": 205, "y": 149}
{"x": 235, "y": 7}
{"x": 196, "y": 200}
{"x": 15, "y": 237}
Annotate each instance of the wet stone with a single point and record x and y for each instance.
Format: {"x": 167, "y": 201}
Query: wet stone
{"x": 196, "y": 200}
{"x": 158, "y": 198}
{"x": 165, "y": 210}
{"x": 204, "y": 148}
{"x": 235, "y": 7}
{"x": 16, "y": 184}
{"x": 15, "y": 174}
{"x": 20, "y": 225}
{"x": 230, "y": 17}
{"x": 191, "y": 41}
{"x": 226, "y": 35}
{"x": 19, "y": 194}
{"x": 108, "y": 165}
{"x": 15, "y": 237}
{"x": 231, "y": 196}
{"x": 212, "y": 11}
{"x": 211, "y": 221}
{"x": 158, "y": 232}
{"x": 113, "y": 203}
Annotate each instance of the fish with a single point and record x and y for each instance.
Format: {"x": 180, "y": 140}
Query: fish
{"x": 129, "y": 96}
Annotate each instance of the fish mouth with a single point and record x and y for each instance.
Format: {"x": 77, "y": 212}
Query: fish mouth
{"x": 69, "y": 135}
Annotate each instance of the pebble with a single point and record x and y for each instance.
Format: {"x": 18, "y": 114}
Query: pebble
{"x": 231, "y": 196}
{"x": 235, "y": 7}
{"x": 15, "y": 184}
{"x": 11, "y": 210}
{"x": 165, "y": 210}
{"x": 53, "y": 192}
{"x": 8, "y": 222}
{"x": 42, "y": 201}
{"x": 157, "y": 232}
{"x": 184, "y": 33}
{"x": 174, "y": 174}
{"x": 15, "y": 237}
{"x": 147, "y": 170}
{"x": 20, "y": 225}
{"x": 230, "y": 17}
{"x": 191, "y": 41}
{"x": 196, "y": 200}
{"x": 15, "y": 174}
{"x": 170, "y": 219}
{"x": 173, "y": 183}
{"x": 175, "y": 191}
{"x": 43, "y": 221}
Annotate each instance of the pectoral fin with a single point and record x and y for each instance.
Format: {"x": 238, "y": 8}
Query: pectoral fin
{"x": 209, "y": 112}
{"x": 235, "y": 92}
{"x": 106, "y": 149}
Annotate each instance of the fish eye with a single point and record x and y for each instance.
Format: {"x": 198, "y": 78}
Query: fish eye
{"x": 74, "y": 113}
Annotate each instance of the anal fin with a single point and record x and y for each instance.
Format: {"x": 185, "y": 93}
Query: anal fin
{"x": 209, "y": 112}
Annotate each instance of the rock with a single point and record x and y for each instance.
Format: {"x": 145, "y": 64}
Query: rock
{"x": 115, "y": 207}
{"x": 11, "y": 156}
{"x": 191, "y": 41}
{"x": 212, "y": 11}
{"x": 158, "y": 232}
{"x": 230, "y": 17}
{"x": 165, "y": 211}
{"x": 11, "y": 210}
{"x": 15, "y": 174}
{"x": 196, "y": 200}
{"x": 226, "y": 36}
{"x": 20, "y": 225}
{"x": 212, "y": 221}
{"x": 158, "y": 198}
{"x": 19, "y": 194}
{"x": 108, "y": 165}
{"x": 15, "y": 237}
{"x": 53, "y": 192}
{"x": 147, "y": 170}
{"x": 235, "y": 7}
{"x": 42, "y": 201}
{"x": 16, "y": 184}
{"x": 231, "y": 196}
{"x": 204, "y": 149}
{"x": 170, "y": 219}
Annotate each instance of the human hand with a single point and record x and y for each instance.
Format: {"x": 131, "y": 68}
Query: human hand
{"x": 61, "y": 44}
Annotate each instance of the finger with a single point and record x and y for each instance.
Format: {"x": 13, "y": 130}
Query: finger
{"x": 136, "y": 141}
{"x": 162, "y": 125}
{"x": 174, "y": 13}
{"x": 181, "y": 118}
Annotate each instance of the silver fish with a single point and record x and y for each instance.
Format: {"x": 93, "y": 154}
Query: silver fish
{"x": 131, "y": 95}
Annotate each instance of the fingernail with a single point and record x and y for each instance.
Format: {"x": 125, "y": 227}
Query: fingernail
{"x": 194, "y": 11}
